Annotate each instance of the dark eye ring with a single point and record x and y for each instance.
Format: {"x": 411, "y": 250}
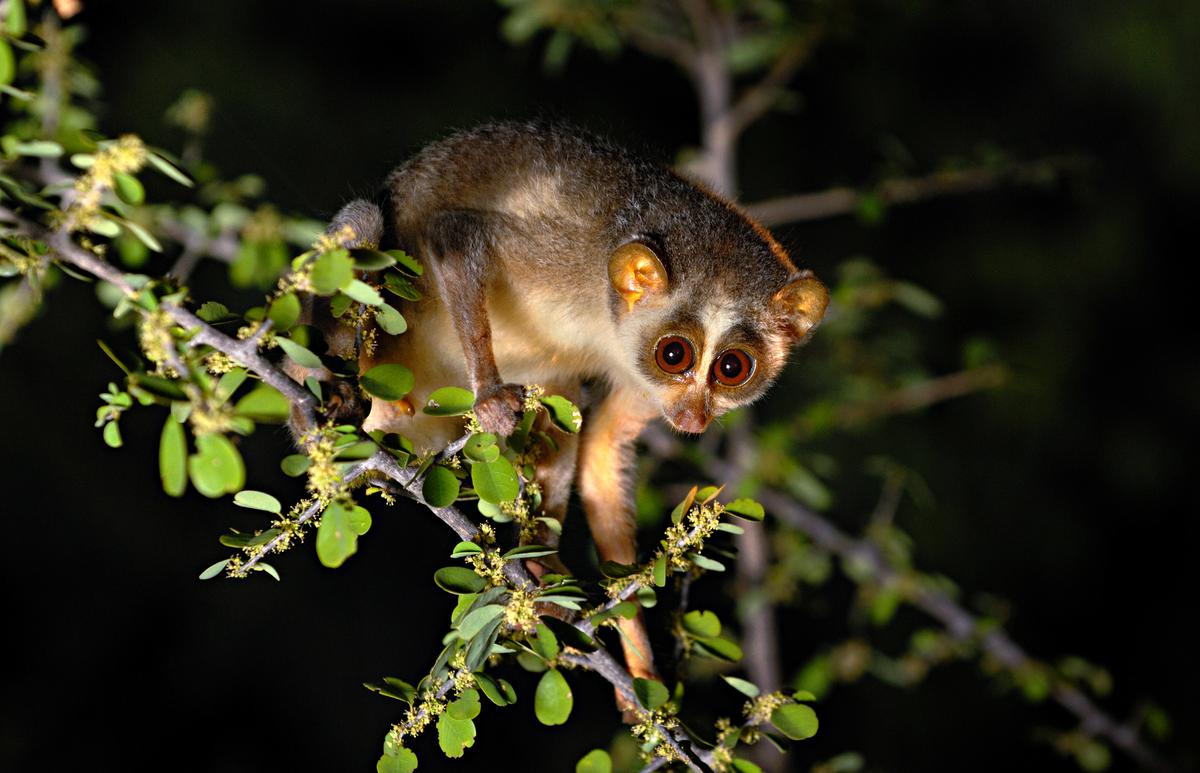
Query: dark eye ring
{"x": 733, "y": 367}
{"x": 674, "y": 354}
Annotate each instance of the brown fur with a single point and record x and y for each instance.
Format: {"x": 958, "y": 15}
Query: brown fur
{"x": 521, "y": 228}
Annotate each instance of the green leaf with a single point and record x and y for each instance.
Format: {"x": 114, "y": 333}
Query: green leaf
{"x": 337, "y": 537}
{"x": 169, "y": 169}
{"x": 141, "y": 234}
{"x": 449, "y": 401}
{"x": 340, "y": 304}
{"x": 553, "y": 701}
{"x": 563, "y": 413}
{"x": 476, "y": 619}
{"x": 112, "y": 435}
{"x": 332, "y": 271}
{"x": 295, "y": 465}
{"x": 172, "y": 458}
{"x": 402, "y": 761}
{"x": 749, "y": 689}
{"x": 745, "y": 508}
{"x": 284, "y": 312}
{"x": 298, "y": 354}
{"x": 651, "y": 693}
{"x": 440, "y": 488}
{"x": 660, "y": 571}
{"x": 264, "y": 403}
{"x": 389, "y": 382}
{"x": 455, "y": 735}
{"x": 398, "y": 285}
{"x": 626, "y": 609}
{"x": 366, "y": 259}
{"x": 8, "y": 66}
{"x": 128, "y": 188}
{"x": 481, "y": 645}
{"x": 465, "y": 548}
{"x": 466, "y": 707}
{"x": 35, "y": 148}
{"x": 702, "y": 623}
{"x": 458, "y": 580}
{"x": 407, "y": 262}
{"x": 745, "y": 766}
{"x": 390, "y": 320}
{"x": 795, "y": 720}
{"x": 682, "y": 508}
{"x": 491, "y": 688}
{"x": 229, "y": 383}
{"x": 393, "y": 688}
{"x": 257, "y": 500}
{"x": 481, "y": 447}
{"x": 216, "y": 468}
{"x": 568, "y": 635}
{"x": 211, "y": 311}
{"x": 16, "y": 22}
{"x": 528, "y": 551}
{"x": 214, "y": 570}
{"x": 721, "y": 649}
{"x": 360, "y": 520}
{"x": 595, "y": 761}
{"x": 495, "y": 481}
{"x": 546, "y": 643}
{"x": 706, "y": 563}
{"x": 363, "y": 292}
{"x": 263, "y": 566}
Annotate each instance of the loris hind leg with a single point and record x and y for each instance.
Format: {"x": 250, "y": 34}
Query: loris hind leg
{"x": 606, "y": 452}
{"x": 460, "y": 243}
{"x": 555, "y": 475}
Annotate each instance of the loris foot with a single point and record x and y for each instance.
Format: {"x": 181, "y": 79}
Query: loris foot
{"x": 500, "y": 407}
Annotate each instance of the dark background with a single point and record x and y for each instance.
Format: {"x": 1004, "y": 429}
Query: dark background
{"x": 1067, "y": 493}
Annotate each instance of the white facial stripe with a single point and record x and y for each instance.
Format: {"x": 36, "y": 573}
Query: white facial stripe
{"x": 718, "y": 319}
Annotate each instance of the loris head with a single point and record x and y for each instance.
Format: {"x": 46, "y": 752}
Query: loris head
{"x": 713, "y": 334}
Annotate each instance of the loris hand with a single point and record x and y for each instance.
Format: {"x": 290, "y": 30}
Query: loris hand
{"x": 499, "y": 408}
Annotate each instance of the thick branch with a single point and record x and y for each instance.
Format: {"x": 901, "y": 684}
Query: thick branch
{"x": 905, "y": 190}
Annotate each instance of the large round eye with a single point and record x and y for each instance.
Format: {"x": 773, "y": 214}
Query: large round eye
{"x": 733, "y": 367}
{"x": 674, "y": 354}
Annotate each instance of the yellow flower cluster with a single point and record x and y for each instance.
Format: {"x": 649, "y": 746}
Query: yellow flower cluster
{"x": 324, "y": 480}
{"x": 520, "y": 612}
{"x": 758, "y": 710}
{"x": 126, "y": 155}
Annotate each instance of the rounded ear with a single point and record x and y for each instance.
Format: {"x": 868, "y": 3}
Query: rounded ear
{"x": 635, "y": 272}
{"x": 801, "y": 304}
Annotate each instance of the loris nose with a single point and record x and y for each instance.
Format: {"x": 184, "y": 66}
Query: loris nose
{"x": 691, "y": 419}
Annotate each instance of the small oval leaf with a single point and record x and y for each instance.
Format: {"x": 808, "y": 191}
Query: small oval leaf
{"x": 553, "y": 700}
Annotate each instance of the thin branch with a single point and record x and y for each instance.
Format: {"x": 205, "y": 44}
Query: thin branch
{"x": 244, "y": 352}
{"x": 757, "y": 100}
{"x": 602, "y": 663}
{"x": 922, "y": 395}
{"x": 839, "y": 201}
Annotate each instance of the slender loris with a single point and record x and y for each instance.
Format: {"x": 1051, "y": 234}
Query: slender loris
{"x": 556, "y": 258}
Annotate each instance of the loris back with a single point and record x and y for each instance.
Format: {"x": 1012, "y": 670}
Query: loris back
{"x": 534, "y": 213}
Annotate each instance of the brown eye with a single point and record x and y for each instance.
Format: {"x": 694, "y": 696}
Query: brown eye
{"x": 674, "y": 354}
{"x": 733, "y": 367}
